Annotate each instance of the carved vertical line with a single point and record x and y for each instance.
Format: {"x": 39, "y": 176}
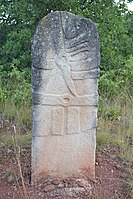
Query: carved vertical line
{"x": 73, "y": 123}
{"x": 58, "y": 121}
{"x": 62, "y": 32}
{"x": 65, "y": 119}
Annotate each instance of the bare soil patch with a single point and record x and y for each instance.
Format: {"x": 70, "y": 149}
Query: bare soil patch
{"x": 110, "y": 182}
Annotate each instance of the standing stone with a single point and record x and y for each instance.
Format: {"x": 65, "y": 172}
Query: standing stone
{"x": 65, "y": 69}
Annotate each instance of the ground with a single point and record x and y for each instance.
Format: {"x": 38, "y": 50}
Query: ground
{"x": 111, "y": 182}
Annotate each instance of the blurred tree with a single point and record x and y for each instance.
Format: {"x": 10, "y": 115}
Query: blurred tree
{"x": 19, "y": 18}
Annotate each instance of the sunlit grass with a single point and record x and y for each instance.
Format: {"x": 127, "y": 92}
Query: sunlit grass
{"x": 18, "y": 114}
{"x": 8, "y": 140}
{"x": 115, "y": 125}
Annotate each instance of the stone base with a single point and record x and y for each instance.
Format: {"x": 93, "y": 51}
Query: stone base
{"x": 63, "y": 188}
{"x": 63, "y": 156}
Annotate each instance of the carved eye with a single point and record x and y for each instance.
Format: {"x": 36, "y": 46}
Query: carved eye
{"x": 66, "y": 99}
{"x": 71, "y": 30}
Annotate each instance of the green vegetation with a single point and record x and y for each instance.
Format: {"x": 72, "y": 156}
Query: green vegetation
{"x": 8, "y": 140}
{"x": 115, "y": 125}
{"x": 18, "y": 20}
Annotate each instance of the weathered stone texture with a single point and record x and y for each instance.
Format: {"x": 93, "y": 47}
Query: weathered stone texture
{"x": 65, "y": 68}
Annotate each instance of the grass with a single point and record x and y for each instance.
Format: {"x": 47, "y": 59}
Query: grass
{"x": 130, "y": 183}
{"x": 19, "y": 115}
{"x": 7, "y": 140}
{"x": 14, "y": 119}
{"x": 115, "y": 125}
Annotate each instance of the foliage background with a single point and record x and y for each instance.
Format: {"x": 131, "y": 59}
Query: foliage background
{"x": 18, "y": 20}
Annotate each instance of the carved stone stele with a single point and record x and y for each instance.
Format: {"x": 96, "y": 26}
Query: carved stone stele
{"x": 65, "y": 69}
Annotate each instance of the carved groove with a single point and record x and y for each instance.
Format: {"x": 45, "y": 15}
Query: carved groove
{"x": 77, "y": 47}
